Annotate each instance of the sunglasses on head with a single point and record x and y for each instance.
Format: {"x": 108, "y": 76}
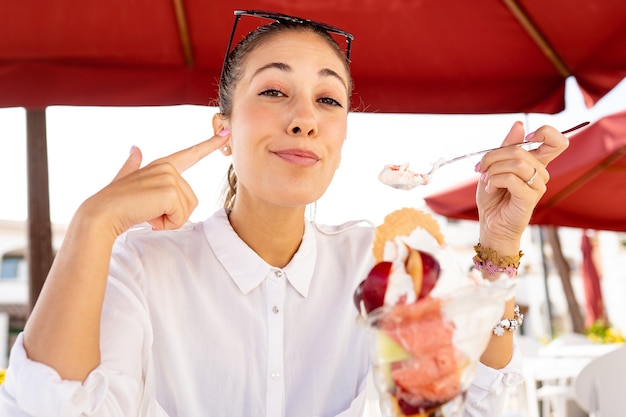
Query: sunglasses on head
{"x": 279, "y": 17}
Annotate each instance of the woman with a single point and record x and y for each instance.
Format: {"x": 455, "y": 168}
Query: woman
{"x": 250, "y": 312}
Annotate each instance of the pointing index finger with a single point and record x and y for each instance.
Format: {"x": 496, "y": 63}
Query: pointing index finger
{"x": 186, "y": 158}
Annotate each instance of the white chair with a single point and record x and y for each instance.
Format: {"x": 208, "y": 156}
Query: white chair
{"x": 544, "y": 392}
{"x": 600, "y": 387}
{"x": 547, "y": 384}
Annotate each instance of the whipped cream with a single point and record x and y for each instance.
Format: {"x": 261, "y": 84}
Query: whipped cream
{"x": 400, "y": 288}
{"x": 400, "y": 177}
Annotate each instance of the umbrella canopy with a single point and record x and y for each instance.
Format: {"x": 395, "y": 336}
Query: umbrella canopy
{"x": 586, "y": 188}
{"x": 445, "y": 56}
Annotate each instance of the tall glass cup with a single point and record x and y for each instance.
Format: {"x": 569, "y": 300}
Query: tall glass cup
{"x": 425, "y": 353}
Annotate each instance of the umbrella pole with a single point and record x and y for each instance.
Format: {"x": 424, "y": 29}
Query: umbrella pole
{"x": 578, "y": 324}
{"x": 39, "y": 228}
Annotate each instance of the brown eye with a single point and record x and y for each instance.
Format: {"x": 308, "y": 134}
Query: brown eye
{"x": 330, "y": 101}
{"x": 272, "y": 93}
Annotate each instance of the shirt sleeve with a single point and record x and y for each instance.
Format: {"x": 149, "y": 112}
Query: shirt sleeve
{"x": 114, "y": 388}
{"x": 34, "y": 389}
{"x": 486, "y": 396}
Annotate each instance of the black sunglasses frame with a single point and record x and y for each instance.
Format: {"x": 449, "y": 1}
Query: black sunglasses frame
{"x": 279, "y": 17}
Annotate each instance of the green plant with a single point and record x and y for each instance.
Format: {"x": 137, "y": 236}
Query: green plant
{"x": 600, "y": 332}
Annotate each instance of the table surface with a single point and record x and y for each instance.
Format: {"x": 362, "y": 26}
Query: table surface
{"x": 564, "y": 361}
{"x": 591, "y": 350}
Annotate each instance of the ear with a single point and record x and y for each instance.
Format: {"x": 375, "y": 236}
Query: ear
{"x": 220, "y": 122}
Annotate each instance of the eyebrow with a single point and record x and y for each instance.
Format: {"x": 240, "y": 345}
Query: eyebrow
{"x": 324, "y": 72}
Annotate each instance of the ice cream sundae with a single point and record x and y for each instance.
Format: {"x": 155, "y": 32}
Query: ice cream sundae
{"x": 429, "y": 322}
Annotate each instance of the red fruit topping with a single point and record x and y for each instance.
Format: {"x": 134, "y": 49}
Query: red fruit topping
{"x": 431, "y": 270}
{"x": 372, "y": 290}
{"x": 417, "y": 409}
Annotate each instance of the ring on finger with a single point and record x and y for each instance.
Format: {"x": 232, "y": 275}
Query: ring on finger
{"x": 532, "y": 179}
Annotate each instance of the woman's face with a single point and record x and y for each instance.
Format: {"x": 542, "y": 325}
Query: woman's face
{"x": 289, "y": 119}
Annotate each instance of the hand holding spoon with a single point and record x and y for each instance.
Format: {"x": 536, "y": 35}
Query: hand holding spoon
{"x": 400, "y": 177}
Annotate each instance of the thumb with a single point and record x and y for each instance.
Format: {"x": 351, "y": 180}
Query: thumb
{"x": 132, "y": 164}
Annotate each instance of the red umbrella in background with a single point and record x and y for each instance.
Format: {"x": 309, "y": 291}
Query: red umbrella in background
{"x": 594, "y": 304}
{"x": 586, "y": 188}
{"x": 444, "y": 56}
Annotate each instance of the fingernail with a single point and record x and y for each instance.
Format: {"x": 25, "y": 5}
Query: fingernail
{"x": 529, "y": 136}
{"x": 477, "y": 167}
{"x": 224, "y": 132}
{"x": 483, "y": 177}
{"x": 132, "y": 149}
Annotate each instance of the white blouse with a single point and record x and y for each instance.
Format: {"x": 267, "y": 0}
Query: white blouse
{"x": 196, "y": 324}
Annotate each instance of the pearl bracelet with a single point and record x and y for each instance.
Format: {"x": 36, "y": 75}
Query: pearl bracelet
{"x": 509, "y": 324}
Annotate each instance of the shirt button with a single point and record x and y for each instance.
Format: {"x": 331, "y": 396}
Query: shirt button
{"x": 278, "y": 274}
{"x": 275, "y": 375}
{"x": 275, "y": 309}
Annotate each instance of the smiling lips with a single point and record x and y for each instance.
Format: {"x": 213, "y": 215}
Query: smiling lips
{"x": 300, "y": 157}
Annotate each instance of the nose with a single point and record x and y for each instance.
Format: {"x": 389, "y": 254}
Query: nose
{"x": 303, "y": 121}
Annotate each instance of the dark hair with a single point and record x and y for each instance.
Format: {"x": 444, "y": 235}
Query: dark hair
{"x": 233, "y": 69}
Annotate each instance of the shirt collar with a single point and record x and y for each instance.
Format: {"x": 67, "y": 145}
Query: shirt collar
{"x": 246, "y": 268}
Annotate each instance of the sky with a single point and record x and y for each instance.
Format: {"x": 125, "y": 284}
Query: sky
{"x": 87, "y": 146}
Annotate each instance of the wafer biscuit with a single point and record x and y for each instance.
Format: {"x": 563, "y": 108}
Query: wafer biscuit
{"x": 401, "y": 223}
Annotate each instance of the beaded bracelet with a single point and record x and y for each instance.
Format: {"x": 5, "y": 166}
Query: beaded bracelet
{"x": 488, "y": 260}
{"x": 509, "y": 324}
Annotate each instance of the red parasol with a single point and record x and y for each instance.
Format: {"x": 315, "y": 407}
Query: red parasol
{"x": 445, "y": 56}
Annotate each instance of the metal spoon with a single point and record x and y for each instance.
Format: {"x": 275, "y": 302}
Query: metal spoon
{"x": 399, "y": 176}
